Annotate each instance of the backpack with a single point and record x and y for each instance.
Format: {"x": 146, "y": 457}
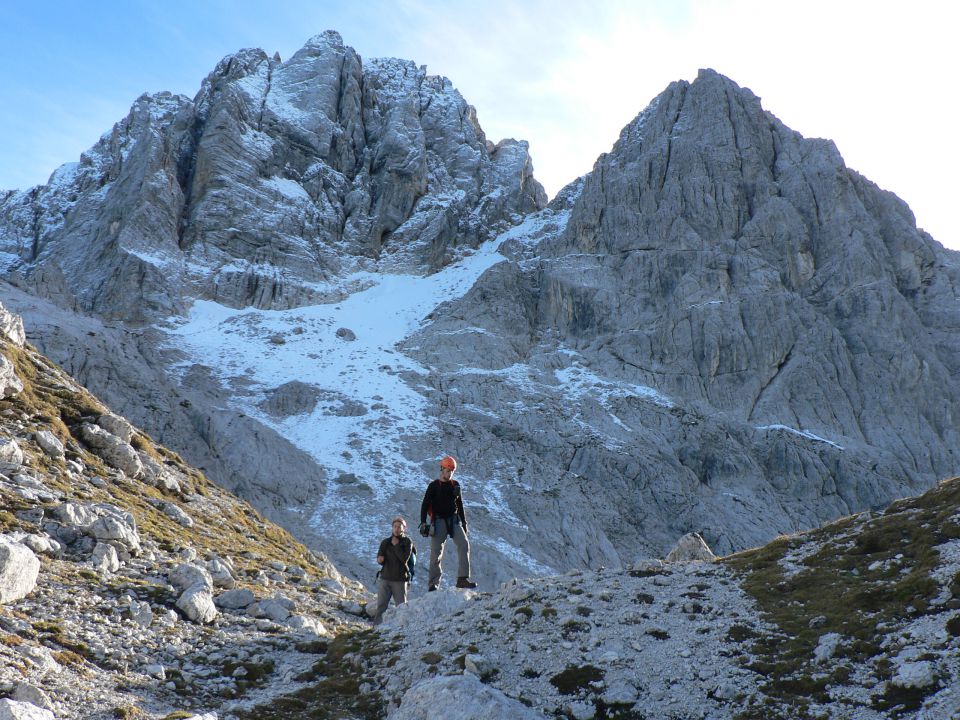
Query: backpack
{"x": 412, "y": 560}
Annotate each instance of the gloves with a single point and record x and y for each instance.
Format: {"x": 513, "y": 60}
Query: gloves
{"x": 424, "y": 529}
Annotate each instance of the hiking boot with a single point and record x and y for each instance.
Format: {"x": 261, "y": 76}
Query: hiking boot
{"x": 465, "y": 583}
{"x": 431, "y": 588}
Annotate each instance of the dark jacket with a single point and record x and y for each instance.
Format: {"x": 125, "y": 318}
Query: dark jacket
{"x": 442, "y": 500}
{"x": 395, "y": 558}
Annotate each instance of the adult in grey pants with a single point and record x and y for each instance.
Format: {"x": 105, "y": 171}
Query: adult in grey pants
{"x": 444, "y": 505}
{"x": 393, "y": 577}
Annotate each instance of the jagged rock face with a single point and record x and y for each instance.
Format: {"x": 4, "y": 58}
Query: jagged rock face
{"x": 732, "y": 333}
{"x": 275, "y": 179}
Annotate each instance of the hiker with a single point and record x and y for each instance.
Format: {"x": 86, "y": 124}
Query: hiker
{"x": 442, "y": 502}
{"x": 394, "y": 557}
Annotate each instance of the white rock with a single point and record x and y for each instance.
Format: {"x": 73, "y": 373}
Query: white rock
{"x": 579, "y": 710}
{"x": 49, "y": 443}
{"x": 10, "y": 384}
{"x": 11, "y": 327}
{"x": 827, "y": 647}
{"x": 41, "y": 544}
{"x": 141, "y": 613}
{"x": 116, "y": 425}
{"x": 11, "y": 454}
{"x": 306, "y": 625}
{"x": 222, "y": 573}
{"x": 177, "y": 514}
{"x": 14, "y": 710}
{"x": 462, "y": 697}
{"x": 441, "y": 603}
{"x": 156, "y": 670}
{"x": 121, "y": 529}
{"x": 914, "y": 675}
{"x": 19, "y": 569}
{"x": 235, "y": 599}
{"x": 197, "y": 604}
{"x": 113, "y": 450}
{"x": 186, "y": 575}
{"x": 277, "y": 609}
{"x": 24, "y": 692}
{"x": 690, "y": 548}
{"x": 42, "y": 659}
{"x": 76, "y": 516}
{"x": 104, "y": 558}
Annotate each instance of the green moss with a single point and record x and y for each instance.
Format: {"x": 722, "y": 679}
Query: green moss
{"x": 431, "y": 658}
{"x": 336, "y": 693}
{"x": 573, "y": 627}
{"x": 576, "y": 678}
{"x": 837, "y": 585}
{"x": 549, "y": 612}
{"x": 526, "y": 610}
{"x": 130, "y": 712}
{"x": 739, "y": 633}
{"x": 953, "y": 626}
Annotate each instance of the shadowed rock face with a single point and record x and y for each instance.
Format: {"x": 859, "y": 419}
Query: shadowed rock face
{"x": 799, "y": 331}
{"x": 276, "y": 179}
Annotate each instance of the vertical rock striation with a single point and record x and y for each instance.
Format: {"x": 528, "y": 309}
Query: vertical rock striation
{"x": 274, "y": 181}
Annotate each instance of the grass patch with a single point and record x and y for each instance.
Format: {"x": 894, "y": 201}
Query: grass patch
{"x": 336, "y": 694}
{"x": 837, "y": 587}
{"x": 953, "y": 626}
{"x": 576, "y": 678}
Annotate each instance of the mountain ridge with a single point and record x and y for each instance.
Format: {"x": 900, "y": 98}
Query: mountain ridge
{"x": 701, "y": 334}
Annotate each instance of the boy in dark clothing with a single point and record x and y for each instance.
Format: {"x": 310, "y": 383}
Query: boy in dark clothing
{"x": 442, "y": 501}
{"x": 393, "y": 555}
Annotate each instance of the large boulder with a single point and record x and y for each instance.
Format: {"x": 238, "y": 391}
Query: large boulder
{"x": 462, "y": 697}
{"x": 15, "y": 710}
{"x": 690, "y": 548}
{"x": 10, "y": 383}
{"x": 112, "y": 449}
{"x": 50, "y": 444}
{"x": 19, "y": 569}
{"x": 11, "y": 327}
{"x": 187, "y": 575}
{"x": 117, "y": 426}
{"x": 197, "y": 604}
{"x": 11, "y": 454}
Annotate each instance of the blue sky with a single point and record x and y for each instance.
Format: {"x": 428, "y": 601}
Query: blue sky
{"x": 876, "y": 77}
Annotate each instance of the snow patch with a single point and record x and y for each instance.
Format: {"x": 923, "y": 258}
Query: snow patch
{"x": 801, "y": 433}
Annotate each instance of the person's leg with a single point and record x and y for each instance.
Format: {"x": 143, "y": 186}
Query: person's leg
{"x": 399, "y": 592}
{"x": 383, "y": 599}
{"x": 436, "y": 551}
{"x": 463, "y": 551}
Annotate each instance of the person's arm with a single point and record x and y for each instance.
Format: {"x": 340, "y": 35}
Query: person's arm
{"x": 460, "y": 513}
{"x": 425, "y": 505}
{"x": 380, "y": 554}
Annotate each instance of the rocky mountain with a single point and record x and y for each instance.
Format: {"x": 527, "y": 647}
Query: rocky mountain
{"x": 859, "y": 619}
{"x": 317, "y": 277}
{"x": 130, "y": 585}
{"x": 724, "y": 330}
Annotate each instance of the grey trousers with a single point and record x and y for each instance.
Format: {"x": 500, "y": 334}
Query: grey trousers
{"x": 440, "y": 534}
{"x": 385, "y": 590}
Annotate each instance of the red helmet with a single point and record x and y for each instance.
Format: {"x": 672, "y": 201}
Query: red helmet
{"x": 448, "y": 463}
